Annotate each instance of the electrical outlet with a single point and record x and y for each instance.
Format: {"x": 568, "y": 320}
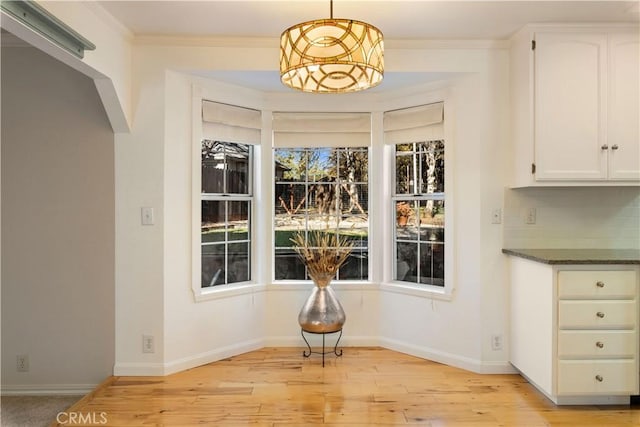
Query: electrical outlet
{"x": 148, "y": 344}
{"x": 496, "y": 342}
{"x": 496, "y": 216}
{"x": 530, "y": 216}
{"x": 22, "y": 363}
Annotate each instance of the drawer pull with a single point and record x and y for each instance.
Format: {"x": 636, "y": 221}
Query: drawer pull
{"x": 600, "y": 284}
{"x": 600, "y": 314}
{"x": 599, "y": 378}
{"x": 600, "y": 344}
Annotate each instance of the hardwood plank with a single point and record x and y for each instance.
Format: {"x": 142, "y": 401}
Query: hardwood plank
{"x": 364, "y": 387}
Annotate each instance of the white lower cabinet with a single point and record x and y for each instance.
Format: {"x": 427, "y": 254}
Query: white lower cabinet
{"x": 575, "y": 330}
{"x": 597, "y": 336}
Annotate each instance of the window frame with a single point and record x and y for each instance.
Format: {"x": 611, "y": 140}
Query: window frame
{"x": 368, "y": 248}
{"x": 227, "y": 196}
{"x": 413, "y": 198}
{"x": 201, "y": 294}
{"x": 389, "y": 284}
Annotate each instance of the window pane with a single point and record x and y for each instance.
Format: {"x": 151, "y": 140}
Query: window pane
{"x": 407, "y": 261}
{"x": 432, "y": 167}
{"x": 290, "y": 198}
{"x": 432, "y": 220}
{"x": 238, "y": 220}
{"x": 405, "y": 176}
{"x": 225, "y": 167}
{"x": 288, "y": 164}
{"x": 432, "y": 264}
{"x": 237, "y": 167}
{"x": 353, "y": 164}
{"x": 288, "y": 266}
{"x": 213, "y": 266}
{"x": 238, "y": 262}
{"x": 213, "y": 221}
{"x": 407, "y": 220}
{"x": 354, "y": 199}
{"x": 212, "y": 166}
{"x": 356, "y": 267}
{"x": 321, "y": 164}
{"x": 359, "y": 237}
{"x": 323, "y": 198}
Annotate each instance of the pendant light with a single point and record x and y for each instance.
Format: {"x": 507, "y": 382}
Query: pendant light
{"x": 332, "y": 55}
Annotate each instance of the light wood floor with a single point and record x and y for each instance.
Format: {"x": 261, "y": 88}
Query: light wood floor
{"x": 365, "y": 387}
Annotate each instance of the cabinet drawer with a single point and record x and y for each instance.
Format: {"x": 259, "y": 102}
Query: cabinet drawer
{"x": 577, "y": 377}
{"x": 597, "y": 314}
{"x": 596, "y": 284}
{"x": 596, "y": 344}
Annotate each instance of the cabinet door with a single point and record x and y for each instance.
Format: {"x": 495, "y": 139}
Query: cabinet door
{"x": 570, "y": 106}
{"x": 624, "y": 94}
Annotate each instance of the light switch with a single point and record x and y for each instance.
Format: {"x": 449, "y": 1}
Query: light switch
{"x": 496, "y": 216}
{"x": 147, "y": 215}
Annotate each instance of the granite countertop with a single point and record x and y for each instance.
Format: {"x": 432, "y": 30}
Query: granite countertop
{"x": 578, "y": 256}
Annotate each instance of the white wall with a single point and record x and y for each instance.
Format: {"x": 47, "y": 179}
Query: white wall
{"x": 195, "y": 333}
{"x": 110, "y": 62}
{"x": 57, "y": 227}
{"x": 139, "y": 182}
{"x": 573, "y": 217}
{"x": 153, "y": 168}
{"x": 458, "y": 331}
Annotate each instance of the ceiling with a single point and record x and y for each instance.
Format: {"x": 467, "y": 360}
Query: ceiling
{"x": 398, "y": 20}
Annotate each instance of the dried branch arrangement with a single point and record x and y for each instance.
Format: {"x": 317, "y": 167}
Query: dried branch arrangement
{"x": 323, "y": 252}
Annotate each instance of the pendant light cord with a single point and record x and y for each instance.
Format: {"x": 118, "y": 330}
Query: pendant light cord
{"x": 331, "y": 9}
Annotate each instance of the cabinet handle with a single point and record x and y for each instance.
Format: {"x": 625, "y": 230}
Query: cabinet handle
{"x": 600, "y": 314}
{"x": 599, "y": 378}
{"x": 600, "y": 344}
{"x": 614, "y": 147}
{"x": 604, "y": 146}
{"x": 600, "y": 284}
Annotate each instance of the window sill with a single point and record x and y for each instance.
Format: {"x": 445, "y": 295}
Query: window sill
{"x": 295, "y": 285}
{"x": 424, "y": 291}
{"x": 227, "y": 291}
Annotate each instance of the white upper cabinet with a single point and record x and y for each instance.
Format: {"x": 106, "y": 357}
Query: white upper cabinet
{"x": 575, "y": 96}
{"x": 624, "y": 109}
{"x": 570, "y": 105}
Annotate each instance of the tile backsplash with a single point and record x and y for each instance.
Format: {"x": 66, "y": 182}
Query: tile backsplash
{"x": 572, "y": 217}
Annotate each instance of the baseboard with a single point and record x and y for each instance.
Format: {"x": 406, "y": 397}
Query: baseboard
{"x": 449, "y": 359}
{"x": 212, "y": 356}
{"x": 345, "y": 341}
{"x": 138, "y": 369}
{"x": 46, "y": 389}
{"x": 168, "y": 368}
{"x": 160, "y": 369}
{"x": 592, "y": 400}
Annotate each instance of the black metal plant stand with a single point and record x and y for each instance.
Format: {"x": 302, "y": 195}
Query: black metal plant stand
{"x": 323, "y": 352}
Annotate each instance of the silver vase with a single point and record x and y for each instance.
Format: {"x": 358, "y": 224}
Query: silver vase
{"x": 322, "y": 313}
